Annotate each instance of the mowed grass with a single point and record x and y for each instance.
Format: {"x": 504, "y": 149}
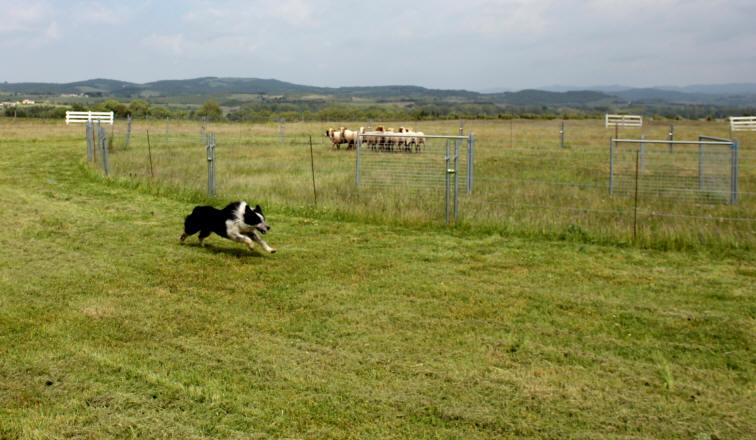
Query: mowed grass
{"x": 109, "y": 328}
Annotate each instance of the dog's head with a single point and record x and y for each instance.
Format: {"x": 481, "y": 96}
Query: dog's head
{"x": 255, "y": 217}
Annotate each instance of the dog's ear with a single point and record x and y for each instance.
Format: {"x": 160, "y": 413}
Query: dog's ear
{"x": 257, "y": 208}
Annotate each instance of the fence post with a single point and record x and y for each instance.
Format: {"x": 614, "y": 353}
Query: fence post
{"x": 456, "y": 178}
{"x": 561, "y": 135}
{"x": 643, "y": 153}
{"x": 104, "y": 141}
{"x": 635, "y": 203}
{"x": 700, "y": 164}
{"x": 166, "y": 130}
{"x": 312, "y": 165}
{"x": 671, "y": 136}
{"x": 210, "y": 150}
{"x": 357, "y": 171}
{"x": 128, "y": 133}
{"x": 734, "y": 183}
{"x": 470, "y": 159}
{"x": 611, "y": 166}
{"x": 213, "y": 164}
{"x": 283, "y": 125}
{"x": 202, "y": 130}
{"x": 90, "y": 138}
{"x": 149, "y": 155}
{"x": 448, "y": 170}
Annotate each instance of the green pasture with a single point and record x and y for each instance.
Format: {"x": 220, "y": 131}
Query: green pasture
{"x": 365, "y": 324}
{"x": 525, "y": 181}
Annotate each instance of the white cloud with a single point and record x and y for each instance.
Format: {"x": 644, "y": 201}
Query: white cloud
{"x": 293, "y": 12}
{"x": 53, "y": 32}
{"x": 98, "y": 13}
{"x": 249, "y": 16}
{"x": 23, "y": 17}
{"x": 172, "y": 44}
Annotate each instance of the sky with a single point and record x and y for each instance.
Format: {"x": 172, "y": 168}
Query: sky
{"x": 456, "y": 44}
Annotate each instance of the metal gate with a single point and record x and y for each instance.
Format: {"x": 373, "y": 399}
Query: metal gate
{"x": 408, "y": 164}
{"x": 705, "y": 170}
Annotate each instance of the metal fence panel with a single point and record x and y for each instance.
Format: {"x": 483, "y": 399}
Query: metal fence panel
{"x": 699, "y": 171}
{"x": 419, "y": 167}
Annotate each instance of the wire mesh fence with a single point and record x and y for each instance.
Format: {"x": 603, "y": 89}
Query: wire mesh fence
{"x": 703, "y": 171}
{"x": 413, "y": 163}
{"x": 523, "y": 176}
{"x": 417, "y": 166}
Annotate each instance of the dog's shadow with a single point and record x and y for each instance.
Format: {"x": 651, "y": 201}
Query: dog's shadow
{"x": 235, "y": 251}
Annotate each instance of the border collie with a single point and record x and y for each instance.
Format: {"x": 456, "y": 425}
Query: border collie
{"x": 237, "y": 222}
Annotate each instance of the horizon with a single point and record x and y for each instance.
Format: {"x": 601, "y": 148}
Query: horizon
{"x": 552, "y": 87}
{"x": 478, "y": 45}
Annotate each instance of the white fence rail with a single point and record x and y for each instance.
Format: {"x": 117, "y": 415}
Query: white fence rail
{"x": 83, "y": 117}
{"x": 742, "y": 123}
{"x": 623, "y": 120}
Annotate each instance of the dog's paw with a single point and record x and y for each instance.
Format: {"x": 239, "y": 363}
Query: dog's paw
{"x": 272, "y": 251}
{"x": 182, "y": 238}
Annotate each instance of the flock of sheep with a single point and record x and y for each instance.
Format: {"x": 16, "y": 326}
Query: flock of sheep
{"x": 380, "y": 139}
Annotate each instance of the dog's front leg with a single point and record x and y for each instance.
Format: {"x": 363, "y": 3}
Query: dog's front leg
{"x": 241, "y": 238}
{"x": 262, "y": 243}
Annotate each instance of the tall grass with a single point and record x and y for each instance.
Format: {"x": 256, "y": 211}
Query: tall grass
{"x": 525, "y": 180}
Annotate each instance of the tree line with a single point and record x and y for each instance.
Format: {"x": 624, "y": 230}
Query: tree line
{"x": 267, "y": 110}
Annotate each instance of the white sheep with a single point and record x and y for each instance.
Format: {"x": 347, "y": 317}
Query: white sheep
{"x": 369, "y": 138}
{"x": 419, "y": 140}
{"x": 389, "y": 141}
{"x": 350, "y": 137}
{"x": 403, "y": 142}
{"x": 337, "y": 138}
{"x": 416, "y": 139}
{"x": 379, "y": 141}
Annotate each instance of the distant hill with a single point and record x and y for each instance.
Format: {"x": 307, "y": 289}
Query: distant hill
{"x": 541, "y": 97}
{"x": 197, "y": 86}
{"x": 741, "y": 94}
{"x": 720, "y": 95}
{"x": 715, "y": 89}
{"x": 224, "y": 86}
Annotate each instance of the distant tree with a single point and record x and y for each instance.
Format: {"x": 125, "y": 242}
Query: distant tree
{"x": 111, "y": 105}
{"x": 211, "y": 110}
{"x": 139, "y": 108}
{"x": 160, "y": 112}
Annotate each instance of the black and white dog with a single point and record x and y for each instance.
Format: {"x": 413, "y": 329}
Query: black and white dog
{"x": 237, "y": 222}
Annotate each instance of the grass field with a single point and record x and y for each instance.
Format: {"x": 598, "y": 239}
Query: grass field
{"x": 359, "y": 327}
{"x": 524, "y": 181}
